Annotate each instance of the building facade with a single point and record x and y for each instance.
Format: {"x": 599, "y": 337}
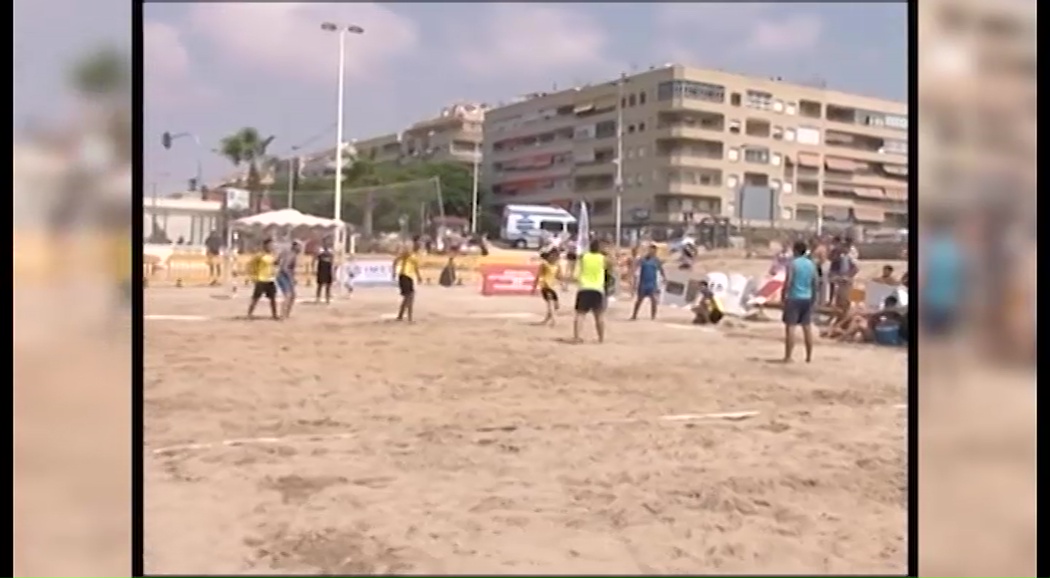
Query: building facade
{"x": 694, "y": 142}
{"x": 453, "y": 136}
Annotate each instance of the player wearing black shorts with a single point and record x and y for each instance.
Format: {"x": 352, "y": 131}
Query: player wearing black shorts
{"x": 406, "y": 271}
{"x": 324, "y": 263}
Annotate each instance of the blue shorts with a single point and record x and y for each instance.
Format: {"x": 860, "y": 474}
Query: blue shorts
{"x": 647, "y": 290}
{"x": 286, "y": 283}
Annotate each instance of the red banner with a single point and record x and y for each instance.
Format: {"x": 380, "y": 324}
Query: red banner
{"x": 507, "y": 279}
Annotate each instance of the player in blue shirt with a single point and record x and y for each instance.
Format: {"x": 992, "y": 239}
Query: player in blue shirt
{"x": 943, "y": 279}
{"x": 801, "y": 288}
{"x": 650, "y": 271}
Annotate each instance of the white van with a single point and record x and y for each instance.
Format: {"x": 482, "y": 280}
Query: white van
{"x": 529, "y": 226}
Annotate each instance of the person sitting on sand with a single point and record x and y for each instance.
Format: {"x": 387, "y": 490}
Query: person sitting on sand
{"x": 708, "y": 309}
{"x": 858, "y": 326}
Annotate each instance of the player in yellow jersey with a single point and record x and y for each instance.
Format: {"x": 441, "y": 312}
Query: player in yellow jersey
{"x": 590, "y": 298}
{"x": 546, "y": 279}
{"x": 263, "y": 269}
{"x": 406, "y": 272}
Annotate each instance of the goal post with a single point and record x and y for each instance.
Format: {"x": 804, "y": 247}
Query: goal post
{"x": 405, "y": 207}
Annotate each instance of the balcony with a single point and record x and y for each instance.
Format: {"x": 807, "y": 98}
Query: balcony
{"x": 695, "y": 190}
{"x": 594, "y": 169}
{"x": 533, "y": 147}
{"x": 697, "y": 119}
{"x": 689, "y": 160}
{"x": 686, "y": 132}
{"x": 553, "y": 171}
{"x": 710, "y": 150}
{"x": 883, "y": 124}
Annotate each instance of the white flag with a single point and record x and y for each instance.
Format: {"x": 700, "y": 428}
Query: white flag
{"x": 583, "y": 231}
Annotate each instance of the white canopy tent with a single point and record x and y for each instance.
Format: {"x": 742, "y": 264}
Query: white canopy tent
{"x": 284, "y": 222}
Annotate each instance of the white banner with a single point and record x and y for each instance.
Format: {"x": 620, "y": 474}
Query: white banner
{"x": 367, "y": 273}
{"x": 237, "y": 199}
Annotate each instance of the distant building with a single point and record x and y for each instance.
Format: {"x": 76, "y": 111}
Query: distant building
{"x": 191, "y": 220}
{"x": 692, "y": 140}
{"x": 452, "y": 136}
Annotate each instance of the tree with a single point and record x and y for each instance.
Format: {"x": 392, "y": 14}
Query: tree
{"x": 387, "y": 204}
{"x": 247, "y": 147}
{"x": 103, "y": 74}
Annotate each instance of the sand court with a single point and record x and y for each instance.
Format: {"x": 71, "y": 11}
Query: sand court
{"x": 476, "y": 442}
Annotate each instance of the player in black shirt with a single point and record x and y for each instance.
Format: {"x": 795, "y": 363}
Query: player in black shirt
{"x": 324, "y": 264}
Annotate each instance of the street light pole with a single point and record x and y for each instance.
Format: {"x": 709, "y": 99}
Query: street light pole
{"x": 474, "y": 191}
{"x": 167, "y": 138}
{"x": 342, "y": 30}
{"x": 619, "y": 158}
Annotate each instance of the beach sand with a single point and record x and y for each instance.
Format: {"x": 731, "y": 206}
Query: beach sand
{"x": 338, "y": 442}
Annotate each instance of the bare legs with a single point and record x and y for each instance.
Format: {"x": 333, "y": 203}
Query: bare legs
{"x": 789, "y": 341}
{"x": 599, "y": 325}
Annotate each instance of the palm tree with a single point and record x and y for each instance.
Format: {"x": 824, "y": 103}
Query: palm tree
{"x": 247, "y": 146}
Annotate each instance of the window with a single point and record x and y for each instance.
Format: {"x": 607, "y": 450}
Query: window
{"x": 632, "y": 100}
{"x": 790, "y": 108}
{"x": 732, "y": 181}
{"x": 641, "y": 98}
{"x": 759, "y": 99}
{"x": 734, "y": 99}
{"x": 757, "y": 155}
{"x": 641, "y": 152}
{"x": 690, "y": 90}
{"x": 896, "y": 121}
{"x": 789, "y": 134}
{"x": 641, "y": 125}
{"x": 623, "y": 102}
{"x": 734, "y": 126}
{"x": 809, "y": 136}
{"x": 787, "y": 188}
{"x": 605, "y": 129}
{"x": 630, "y": 129}
{"x": 630, "y": 153}
{"x": 774, "y": 184}
{"x": 778, "y": 105}
{"x": 775, "y": 159}
{"x": 899, "y": 147}
{"x": 778, "y": 133}
{"x": 639, "y": 179}
{"x": 733, "y": 155}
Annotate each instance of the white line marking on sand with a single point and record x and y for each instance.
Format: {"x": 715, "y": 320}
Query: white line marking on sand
{"x": 391, "y": 316}
{"x": 176, "y": 318}
{"x": 238, "y": 442}
{"x": 730, "y": 415}
{"x": 901, "y": 406}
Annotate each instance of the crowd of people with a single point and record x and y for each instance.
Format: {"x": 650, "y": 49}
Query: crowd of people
{"x": 818, "y": 278}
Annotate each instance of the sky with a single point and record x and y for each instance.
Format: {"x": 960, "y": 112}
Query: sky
{"x": 213, "y": 68}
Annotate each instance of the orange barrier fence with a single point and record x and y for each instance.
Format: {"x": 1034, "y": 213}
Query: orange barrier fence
{"x": 182, "y": 270}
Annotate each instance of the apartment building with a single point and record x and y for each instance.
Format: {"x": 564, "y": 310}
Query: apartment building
{"x": 696, "y": 143}
{"x": 977, "y": 143}
{"x": 454, "y": 135}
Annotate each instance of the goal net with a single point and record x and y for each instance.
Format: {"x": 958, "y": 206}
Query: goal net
{"x": 405, "y": 208}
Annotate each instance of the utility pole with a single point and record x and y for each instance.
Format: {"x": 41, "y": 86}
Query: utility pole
{"x": 291, "y": 177}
